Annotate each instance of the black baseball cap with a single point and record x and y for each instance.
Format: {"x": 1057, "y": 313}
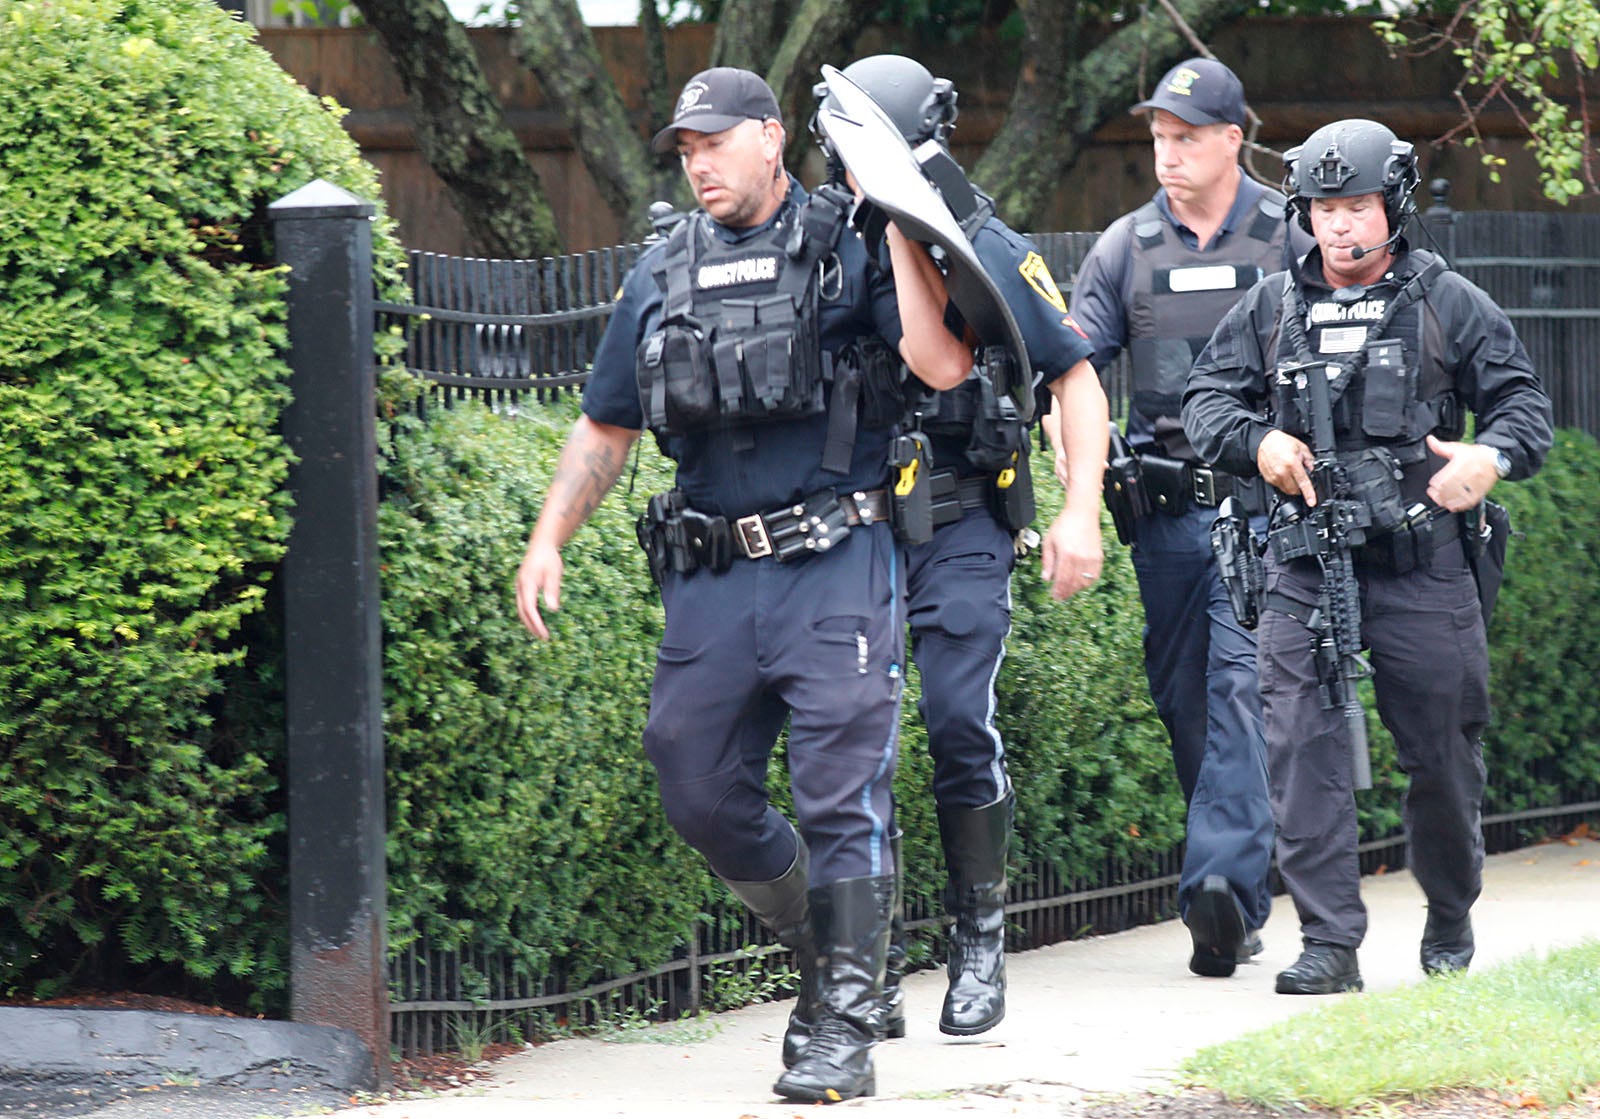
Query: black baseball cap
{"x": 1199, "y": 91}
{"x": 717, "y": 99}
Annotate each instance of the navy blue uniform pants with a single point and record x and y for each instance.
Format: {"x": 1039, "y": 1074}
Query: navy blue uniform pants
{"x": 958, "y": 588}
{"x": 1430, "y": 664}
{"x": 1202, "y": 669}
{"x": 819, "y": 642}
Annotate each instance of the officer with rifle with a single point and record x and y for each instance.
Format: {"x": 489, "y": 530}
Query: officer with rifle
{"x": 779, "y": 571}
{"x": 1345, "y": 383}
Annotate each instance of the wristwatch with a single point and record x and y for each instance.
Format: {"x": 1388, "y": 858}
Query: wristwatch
{"x": 1502, "y": 463}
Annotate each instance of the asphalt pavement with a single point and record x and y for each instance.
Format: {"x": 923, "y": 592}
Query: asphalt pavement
{"x": 1086, "y": 1019}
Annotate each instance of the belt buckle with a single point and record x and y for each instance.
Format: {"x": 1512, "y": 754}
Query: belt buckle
{"x": 1203, "y": 482}
{"x": 753, "y": 539}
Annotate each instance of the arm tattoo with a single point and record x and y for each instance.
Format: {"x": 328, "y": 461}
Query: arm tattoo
{"x": 584, "y": 476}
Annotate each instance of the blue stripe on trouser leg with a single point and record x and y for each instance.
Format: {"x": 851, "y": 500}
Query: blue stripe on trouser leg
{"x": 959, "y": 608}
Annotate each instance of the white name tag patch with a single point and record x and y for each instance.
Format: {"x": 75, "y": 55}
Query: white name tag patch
{"x": 1364, "y": 310}
{"x": 750, "y": 270}
{"x": 1212, "y": 277}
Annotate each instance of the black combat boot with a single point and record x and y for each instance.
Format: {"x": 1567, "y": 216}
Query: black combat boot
{"x": 1447, "y": 946}
{"x": 894, "y": 961}
{"x": 975, "y": 857}
{"x": 1218, "y": 929}
{"x": 1322, "y": 969}
{"x": 782, "y": 905}
{"x": 850, "y": 926}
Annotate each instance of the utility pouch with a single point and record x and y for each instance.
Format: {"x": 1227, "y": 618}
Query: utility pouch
{"x": 1168, "y": 482}
{"x": 704, "y": 537}
{"x": 885, "y": 390}
{"x": 997, "y": 429}
{"x": 1011, "y": 493}
{"x": 911, "y": 503}
{"x": 1374, "y": 477}
{"x": 1239, "y": 565}
{"x": 1288, "y": 410}
{"x": 677, "y": 388}
{"x": 1123, "y": 487}
{"x": 1388, "y": 390}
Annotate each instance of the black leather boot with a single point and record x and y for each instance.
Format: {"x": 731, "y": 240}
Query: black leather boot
{"x": 1447, "y": 946}
{"x": 783, "y": 906}
{"x": 975, "y": 842}
{"x": 1218, "y": 929}
{"x": 850, "y": 926}
{"x": 894, "y": 961}
{"x": 1322, "y": 969}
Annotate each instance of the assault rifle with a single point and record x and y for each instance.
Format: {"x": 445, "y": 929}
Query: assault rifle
{"x": 1327, "y": 531}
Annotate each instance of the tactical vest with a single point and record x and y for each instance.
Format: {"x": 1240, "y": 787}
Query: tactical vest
{"x": 1387, "y": 381}
{"x": 738, "y": 341}
{"x": 1180, "y": 294}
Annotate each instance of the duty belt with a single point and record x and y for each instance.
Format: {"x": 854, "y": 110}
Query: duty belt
{"x": 1175, "y": 486}
{"x": 1410, "y": 546}
{"x": 678, "y": 538}
{"x": 954, "y": 496}
{"x": 808, "y": 526}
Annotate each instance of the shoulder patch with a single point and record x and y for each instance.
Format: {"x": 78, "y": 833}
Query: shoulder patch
{"x": 1037, "y": 273}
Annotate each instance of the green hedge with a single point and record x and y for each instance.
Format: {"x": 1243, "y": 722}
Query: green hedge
{"x": 524, "y": 815}
{"x": 142, "y": 503}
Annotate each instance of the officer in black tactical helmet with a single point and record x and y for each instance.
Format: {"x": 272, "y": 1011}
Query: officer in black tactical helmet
{"x": 958, "y": 582}
{"x": 1406, "y": 348}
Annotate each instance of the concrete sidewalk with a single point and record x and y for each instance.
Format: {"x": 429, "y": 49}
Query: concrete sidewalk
{"x": 1103, "y": 1016}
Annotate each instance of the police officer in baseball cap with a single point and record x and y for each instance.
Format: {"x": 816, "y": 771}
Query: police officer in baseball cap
{"x": 1155, "y": 284}
{"x": 778, "y": 568}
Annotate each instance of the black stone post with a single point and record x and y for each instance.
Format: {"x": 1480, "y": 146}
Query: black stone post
{"x": 333, "y": 646}
{"x": 1440, "y": 220}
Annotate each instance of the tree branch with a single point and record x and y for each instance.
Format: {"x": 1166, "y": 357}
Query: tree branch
{"x": 462, "y": 129}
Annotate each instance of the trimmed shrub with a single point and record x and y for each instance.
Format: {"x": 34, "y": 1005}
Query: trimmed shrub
{"x": 141, "y": 483}
{"x": 523, "y": 813}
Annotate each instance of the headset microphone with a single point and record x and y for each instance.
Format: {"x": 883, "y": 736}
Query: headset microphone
{"x": 1358, "y": 252}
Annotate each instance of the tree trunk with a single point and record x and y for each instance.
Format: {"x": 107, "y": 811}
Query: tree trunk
{"x": 554, "y": 43}
{"x": 1056, "y": 106}
{"x": 658, "y": 97}
{"x": 462, "y": 130}
{"x": 750, "y": 32}
{"x": 822, "y": 31}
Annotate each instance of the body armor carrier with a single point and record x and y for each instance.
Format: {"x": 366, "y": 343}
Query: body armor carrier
{"x": 1388, "y": 393}
{"x": 738, "y": 341}
{"x": 1180, "y": 294}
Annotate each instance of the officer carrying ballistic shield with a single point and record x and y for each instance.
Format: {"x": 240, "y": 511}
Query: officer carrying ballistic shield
{"x": 958, "y": 578}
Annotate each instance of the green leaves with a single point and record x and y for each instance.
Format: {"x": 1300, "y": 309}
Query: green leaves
{"x": 142, "y": 503}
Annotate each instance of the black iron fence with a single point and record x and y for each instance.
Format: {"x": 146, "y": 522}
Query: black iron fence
{"x": 501, "y": 328}
{"x": 502, "y": 331}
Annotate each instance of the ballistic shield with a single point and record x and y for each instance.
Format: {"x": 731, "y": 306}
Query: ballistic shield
{"x": 869, "y": 145}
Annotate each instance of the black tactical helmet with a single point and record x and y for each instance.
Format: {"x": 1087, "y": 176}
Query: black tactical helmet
{"x": 920, "y": 105}
{"x": 1349, "y": 158}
